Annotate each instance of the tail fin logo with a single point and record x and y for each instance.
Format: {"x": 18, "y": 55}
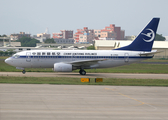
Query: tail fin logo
{"x": 150, "y": 35}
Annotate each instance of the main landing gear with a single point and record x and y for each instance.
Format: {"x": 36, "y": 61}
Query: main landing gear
{"x": 23, "y": 71}
{"x": 82, "y": 72}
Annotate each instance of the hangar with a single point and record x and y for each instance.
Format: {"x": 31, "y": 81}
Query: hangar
{"x": 112, "y": 44}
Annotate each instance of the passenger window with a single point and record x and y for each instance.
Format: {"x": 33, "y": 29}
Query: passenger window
{"x": 33, "y": 53}
{"x": 43, "y": 53}
{"x": 48, "y": 53}
{"x": 53, "y": 53}
{"x": 38, "y": 53}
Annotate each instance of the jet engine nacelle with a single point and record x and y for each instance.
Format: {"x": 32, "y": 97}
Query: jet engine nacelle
{"x": 62, "y": 67}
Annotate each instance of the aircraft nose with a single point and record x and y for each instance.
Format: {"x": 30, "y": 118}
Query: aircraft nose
{"x": 8, "y": 60}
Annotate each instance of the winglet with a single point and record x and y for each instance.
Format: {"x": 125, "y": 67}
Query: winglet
{"x": 144, "y": 41}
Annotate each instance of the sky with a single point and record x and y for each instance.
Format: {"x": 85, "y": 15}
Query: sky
{"x": 34, "y": 16}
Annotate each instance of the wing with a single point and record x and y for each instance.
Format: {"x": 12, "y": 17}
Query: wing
{"x": 86, "y": 63}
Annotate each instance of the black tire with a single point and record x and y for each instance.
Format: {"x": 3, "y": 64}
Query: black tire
{"x": 80, "y": 71}
{"x": 23, "y": 71}
{"x": 83, "y": 72}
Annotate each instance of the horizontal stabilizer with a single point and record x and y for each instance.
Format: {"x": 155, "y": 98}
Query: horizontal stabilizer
{"x": 150, "y": 53}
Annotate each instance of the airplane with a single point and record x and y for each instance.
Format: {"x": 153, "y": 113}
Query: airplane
{"x": 69, "y": 60}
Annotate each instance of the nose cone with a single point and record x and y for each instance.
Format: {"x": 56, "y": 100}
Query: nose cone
{"x": 8, "y": 61}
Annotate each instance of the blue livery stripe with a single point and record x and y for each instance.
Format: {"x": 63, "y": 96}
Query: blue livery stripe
{"x": 88, "y": 57}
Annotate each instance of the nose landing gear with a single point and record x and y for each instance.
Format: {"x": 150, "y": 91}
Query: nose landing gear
{"x": 23, "y": 71}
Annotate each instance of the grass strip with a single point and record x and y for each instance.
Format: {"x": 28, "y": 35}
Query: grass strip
{"x": 77, "y": 81}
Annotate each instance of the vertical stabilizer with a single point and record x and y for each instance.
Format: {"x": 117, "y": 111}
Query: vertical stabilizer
{"x": 144, "y": 41}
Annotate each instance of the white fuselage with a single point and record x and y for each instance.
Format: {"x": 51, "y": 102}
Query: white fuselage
{"x": 47, "y": 58}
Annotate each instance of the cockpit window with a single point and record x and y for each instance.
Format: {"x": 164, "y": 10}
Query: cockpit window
{"x": 16, "y": 56}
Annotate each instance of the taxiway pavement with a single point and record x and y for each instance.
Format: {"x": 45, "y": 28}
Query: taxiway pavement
{"x": 82, "y": 102}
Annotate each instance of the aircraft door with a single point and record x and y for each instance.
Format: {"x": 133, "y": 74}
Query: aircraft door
{"x": 73, "y": 57}
{"x": 126, "y": 57}
{"x": 28, "y": 57}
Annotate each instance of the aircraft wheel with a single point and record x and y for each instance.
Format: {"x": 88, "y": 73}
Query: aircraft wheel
{"x": 23, "y": 71}
{"x": 82, "y": 72}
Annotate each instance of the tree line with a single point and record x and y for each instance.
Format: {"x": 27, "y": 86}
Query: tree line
{"x": 31, "y": 42}
{"x": 7, "y": 53}
{"x": 159, "y": 37}
{"x": 28, "y": 42}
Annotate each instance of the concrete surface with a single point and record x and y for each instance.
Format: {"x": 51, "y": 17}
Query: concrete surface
{"x": 90, "y": 75}
{"x": 87, "y": 102}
